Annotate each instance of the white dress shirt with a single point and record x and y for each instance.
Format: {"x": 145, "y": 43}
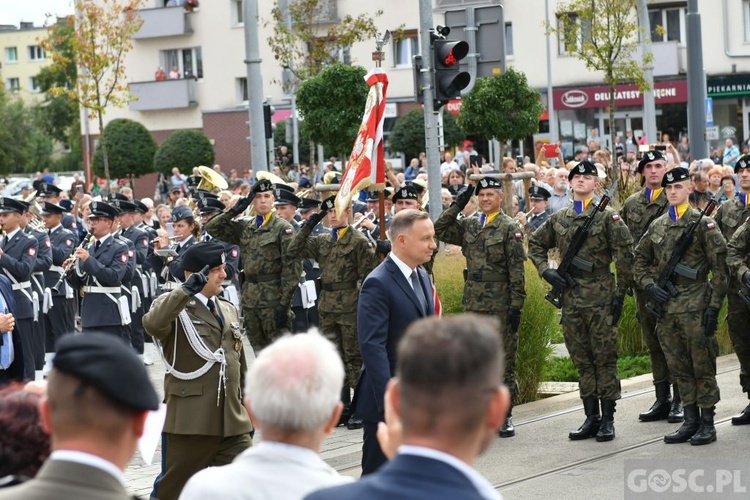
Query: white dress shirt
{"x": 405, "y": 269}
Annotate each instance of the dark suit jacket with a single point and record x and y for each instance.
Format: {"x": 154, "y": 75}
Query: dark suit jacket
{"x": 387, "y": 306}
{"x": 407, "y": 476}
{"x": 16, "y": 370}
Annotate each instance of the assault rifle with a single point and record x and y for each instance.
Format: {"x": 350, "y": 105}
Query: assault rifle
{"x": 674, "y": 266}
{"x": 570, "y": 258}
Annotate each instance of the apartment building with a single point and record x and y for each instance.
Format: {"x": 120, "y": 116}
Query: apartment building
{"x": 21, "y": 58}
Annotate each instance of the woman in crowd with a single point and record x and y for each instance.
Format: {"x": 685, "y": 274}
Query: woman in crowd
{"x": 24, "y": 445}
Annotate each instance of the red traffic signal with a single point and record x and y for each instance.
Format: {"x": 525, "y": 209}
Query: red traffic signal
{"x": 449, "y": 79}
{"x": 448, "y": 53}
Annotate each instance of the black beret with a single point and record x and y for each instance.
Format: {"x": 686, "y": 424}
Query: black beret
{"x": 583, "y": 168}
{"x": 108, "y": 364}
{"x": 654, "y": 155}
{"x": 101, "y": 209}
{"x": 48, "y": 208}
{"x": 307, "y": 204}
{"x": 677, "y": 174}
{"x": 118, "y": 196}
{"x": 262, "y": 186}
{"x": 199, "y": 194}
{"x": 9, "y": 205}
{"x": 200, "y": 255}
{"x": 181, "y": 213}
{"x": 209, "y": 205}
{"x": 48, "y": 189}
{"x": 405, "y": 193}
{"x": 124, "y": 207}
{"x": 488, "y": 183}
{"x": 539, "y": 193}
{"x": 743, "y": 162}
{"x": 285, "y": 197}
{"x": 328, "y": 203}
{"x": 140, "y": 206}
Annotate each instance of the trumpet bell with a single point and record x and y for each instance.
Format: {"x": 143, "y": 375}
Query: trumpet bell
{"x": 211, "y": 180}
{"x": 264, "y": 175}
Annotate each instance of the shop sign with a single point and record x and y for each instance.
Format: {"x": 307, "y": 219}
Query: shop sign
{"x": 625, "y": 95}
{"x": 728, "y": 86}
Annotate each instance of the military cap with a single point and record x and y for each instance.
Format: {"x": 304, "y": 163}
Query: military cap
{"x": 209, "y": 205}
{"x": 199, "y": 194}
{"x": 140, "y": 206}
{"x": 181, "y": 213}
{"x": 25, "y": 204}
{"x": 284, "y": 187}
{"x": 677, "y": 174}
{"x": 307, "y": 204}
{"x": 417, "y": 185}
{"x": 118, "y": 196}
{"x": 124, "y": 207}
{"x": 743, "y": 162}
{"x": 373, "y": 196}
{"x": 48, "y": 189}
{"x": 262, "y": 186}
{"x": 193, "y": 181}
{"x": 101, "y": 209}
{"x": 9, "y": 205}
{"x": 454, "y": 189}
{"x": 200, "y": 255}
{"x": 175, "y": 189}
{"x": 488, "y": 183}
{"x": 66, "y": 204}
{"x": 285, "y": 197}
{"x": 106, "y": 363}
{"x": 328, "y": 203}
{"x": 304, "y": 182}
{"x": 405, "y": 193}
{"x": 48, "y": 208}
{"x": 583, "y": 168}
{"x": 648, "y": 158}
{"x": 539, "y": 193}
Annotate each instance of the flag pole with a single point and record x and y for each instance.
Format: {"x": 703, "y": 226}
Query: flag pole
{"x": 377, "y": 56}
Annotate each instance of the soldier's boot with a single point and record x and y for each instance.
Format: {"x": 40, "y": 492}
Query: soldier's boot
{"x": 660, "y": 409}
{"x": 689, "y": 427}
{"x": 707, "y": 432}
{"x": 346, "y": 399}
{"x": 354, "y": 423}
{"x": 591, "y": 425}
{"x": 607, "y": 427}
{"x": 508, "y": 430}
{"x": 676, "y": 412}
{"x": 744, "y": 417}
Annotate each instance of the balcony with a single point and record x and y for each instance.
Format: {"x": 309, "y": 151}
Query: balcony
{"x": 164, "y": 94}
{"x": 669, "y": 58}
{"x": 164, "y": 21}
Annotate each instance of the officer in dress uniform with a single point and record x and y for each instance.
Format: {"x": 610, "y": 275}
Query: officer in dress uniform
{"x": 538, "y": 197}
{"x": 17, "y": 260}
{"x": 308, "y": 207}
{"x": 186, "y": 231}
{"x": 51, "y": 193}
{"x": 100, "y": 268}
{"x": 125, "y": 285}
{"x": 151, "y": 282}
{"x": 209, "y": 206}
{"x": 60, "y": 319}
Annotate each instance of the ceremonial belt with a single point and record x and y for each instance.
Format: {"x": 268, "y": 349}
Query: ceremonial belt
{"x": 57, "y": 269}
{"x": 580, "y": 273}
{"x": 344, "y": 285}
{"x": 486, "y": 276}
{"x": 262, "y": 278}
{"x": 101, "y": 289}
{"x": 676, "y": 279}
{"x": 38, "y": 273}
{"x": 22, "y": 285}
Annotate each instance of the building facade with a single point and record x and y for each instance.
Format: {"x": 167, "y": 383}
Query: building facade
{"x": 22, "y": 59}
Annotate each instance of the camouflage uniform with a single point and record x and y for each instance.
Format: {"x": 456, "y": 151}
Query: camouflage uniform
{"x": 690, "y": 354}
{"x": 344, "y": 263}
{"x": 590, "y": 336}
{"x": 494, "y": 275}
{"x": 729, "y": 218}
{"x": 271, "y": 275}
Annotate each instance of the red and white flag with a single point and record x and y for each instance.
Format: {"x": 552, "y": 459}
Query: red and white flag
{"x": 366, "y": 166}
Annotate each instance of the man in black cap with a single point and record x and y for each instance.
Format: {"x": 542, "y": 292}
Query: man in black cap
{"x": 175, "y": 195}
{"x": 271, "y": 276}
{"x": 309, "y": 207}
{"x": 538, "y": 215}
{"x": 494, "y": 277}
{"x": 99, "y": 270}
{"x": 206, "y": 424}
{"x": 209, "y": 206}
{"x": 371, "y": 224}
{"x": 169, "y": 267}
{"x": 591, "y": 308}
{"x": 98, "y": 397}
{"x": 60, "y": 319}
{"x": 51, "y": 193}
{"x": 638, "y": 212}
{"x": 18, "y": 253}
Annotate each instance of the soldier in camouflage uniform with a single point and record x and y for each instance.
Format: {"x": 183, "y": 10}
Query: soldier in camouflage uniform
{"x": 271, "y": 276}
{"x": 494, "y": 275}
{"x": 346, "y": 257}
{"x": 729, "y": 218}
{"x": 688, "y": 324}
{"x": 591, "y": 308}
{"x": 638, "y": 212}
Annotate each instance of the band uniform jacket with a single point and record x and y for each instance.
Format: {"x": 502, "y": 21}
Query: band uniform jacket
{"x": 43, "y": 261}
{"x": 17, "y": 262}
{"x": 69, "y": 222}
{"x": 192, "y": 404}
{"x": 62, "y": 242}
{"x": 176, "y": 271}
{"x": 535, "y": 221}
{"x": 107, "y": 268}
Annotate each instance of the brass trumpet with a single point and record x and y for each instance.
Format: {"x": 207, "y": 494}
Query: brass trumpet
{"x": 71, "y": 264}
{"x": 368, "y": 215}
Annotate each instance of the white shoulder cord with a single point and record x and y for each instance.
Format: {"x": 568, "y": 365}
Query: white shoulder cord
{"x": 200, "y": 348}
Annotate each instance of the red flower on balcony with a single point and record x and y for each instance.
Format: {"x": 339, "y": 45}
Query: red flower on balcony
{"x": 190, "y": 5}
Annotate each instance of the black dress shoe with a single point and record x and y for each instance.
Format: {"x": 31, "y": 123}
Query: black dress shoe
{"x": 743, "y": 418}
{"x": 354, "y": 423}
{"x": 508, "y": 429}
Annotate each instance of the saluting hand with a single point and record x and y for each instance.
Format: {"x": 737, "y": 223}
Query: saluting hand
{"x": 195, "y": 282}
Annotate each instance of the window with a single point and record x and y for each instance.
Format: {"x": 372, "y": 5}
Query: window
{"x": 237, "y": 12}
{"x": 405, "y": 48}
{"x": 36, "y": 53}
{"x": 508, "y": 39}
{"x": 574, "y": 31}
{"x": 746, "y": 15}
{"x": 670, "y": 22}
{"x": 183, "y": 63}
{"x": 242, "y": 89}
{"x": 11, "y": 54}
{"x": 34, "y": 84}
{"x": 13, "y": 84}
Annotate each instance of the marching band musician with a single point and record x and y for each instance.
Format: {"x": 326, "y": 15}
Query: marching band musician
{"x": 308, "y": 207}
{"x": 537, "y": 216}
{"x": 126, "y": 290}
{"x": 51, "y": 193}
{"x": 186, "y": 230}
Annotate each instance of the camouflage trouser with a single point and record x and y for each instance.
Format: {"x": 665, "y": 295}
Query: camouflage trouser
{"x": 659, "y": 367}
{"x": 691, "y": 357}
{"x": 592, "y": 343}
{"x": 341, "y": 329}
{"x": 738, "y": 318}
{"x": 260, "y": 327}
{"x": 510, "y": 346}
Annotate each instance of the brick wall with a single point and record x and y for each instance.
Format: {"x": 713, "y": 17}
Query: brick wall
{"x": 229, "y": 131}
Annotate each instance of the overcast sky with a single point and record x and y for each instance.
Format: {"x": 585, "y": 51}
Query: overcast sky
{"x": 15, "y": 11}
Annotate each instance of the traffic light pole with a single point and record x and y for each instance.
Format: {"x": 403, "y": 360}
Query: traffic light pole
{"x": 257, "y": 137}
{"x": 430, "y": 120}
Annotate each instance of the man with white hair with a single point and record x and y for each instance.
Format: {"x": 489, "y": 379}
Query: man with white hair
{"x": 293, "y": 396}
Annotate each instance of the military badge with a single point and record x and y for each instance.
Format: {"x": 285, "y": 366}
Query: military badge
{"x": 670, "y": 177}
{"x": 581, "y": 168}
{"x": 237, "y": 334}
{"x": 93, "y": 206}
{"x": 651, "y": 156}
{"x": 484, "y": 183}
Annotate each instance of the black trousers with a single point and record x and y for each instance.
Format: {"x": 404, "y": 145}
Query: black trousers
{"x": 137, "y": 334}
{"x": 372, "y": 455}
{"x": 59, "y": 321}
{"x": 37, "y": 329}
{"x": 116, "y": 330}
{"x": 26, "y": 328}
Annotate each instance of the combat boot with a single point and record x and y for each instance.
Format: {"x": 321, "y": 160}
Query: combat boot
{"x": 707, "y": 432}
{"x": 354, "y": 423}
{"x": 508, "y": 429}
{"x": 346, "y": 399}
{"x": 607, "y": 427}
{"x": 689, "y": 427}
{"x": 660, "y": 409}
{"x": 744, "y": 417}
{"x": 676, "y": 413}
{"x": 591, "y": 426}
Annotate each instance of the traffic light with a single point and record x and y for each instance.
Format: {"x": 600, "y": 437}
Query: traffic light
{"x": 268, "y": 112}
{"x": 449, "y": 79}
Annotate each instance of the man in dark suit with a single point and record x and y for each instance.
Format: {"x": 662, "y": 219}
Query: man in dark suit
{"x": 11, "y": 350}
{"x": 449, "y": 405}
{"x": 394, "y": 294}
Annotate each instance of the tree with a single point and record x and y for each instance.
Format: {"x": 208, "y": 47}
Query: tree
{"x": 24, "y": 147}
{"x": 604, "y": 35}
{"x": 102, "y": 38}
{"x": 408, "y": 135}
{"x": 502, "y": 107}
{"x": 130, "y": 149}
{"x": 332, "y": 104}
{"x": 184, "y": 149}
